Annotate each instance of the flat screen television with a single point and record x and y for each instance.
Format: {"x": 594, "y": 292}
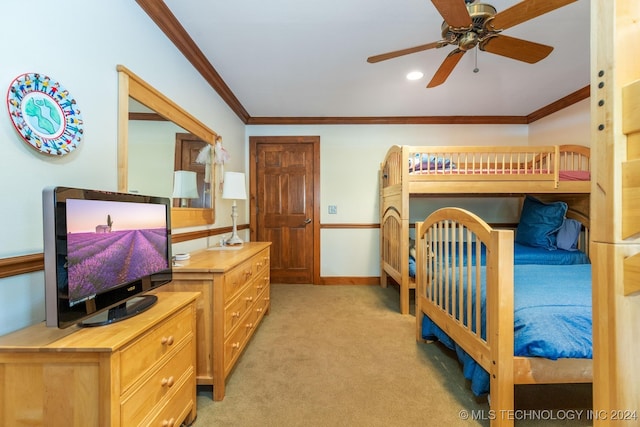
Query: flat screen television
{"x": 102, "y": 252}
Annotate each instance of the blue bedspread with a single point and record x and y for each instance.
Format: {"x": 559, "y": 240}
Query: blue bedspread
{"x": 523, "y": 254}
{"x": 552, "y": 318}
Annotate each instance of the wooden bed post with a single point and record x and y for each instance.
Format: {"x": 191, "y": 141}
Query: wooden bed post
{"x": 404, "y": 249}
{"x": 404, "y": 262}
{"x": 500, "y": 325}
{"x": 383, "y": 273}
{"x": 421, "y": 280}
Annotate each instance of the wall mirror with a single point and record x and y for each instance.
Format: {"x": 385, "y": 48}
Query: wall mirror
{"x": 157, "y": 178}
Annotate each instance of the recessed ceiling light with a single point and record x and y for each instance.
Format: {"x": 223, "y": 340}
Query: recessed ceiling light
{"x": 415, "y": 75}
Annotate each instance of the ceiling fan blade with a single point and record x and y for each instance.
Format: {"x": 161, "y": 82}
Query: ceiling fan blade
{"x": 454, "y": 12}
{"x": 524, "y": 11}
{"x": 396, "y": 53}
{"x": 521, "y": 50}
{"x": 446, "y": 68}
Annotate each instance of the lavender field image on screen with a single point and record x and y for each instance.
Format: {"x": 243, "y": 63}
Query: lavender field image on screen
{"x": 100, "y": 256}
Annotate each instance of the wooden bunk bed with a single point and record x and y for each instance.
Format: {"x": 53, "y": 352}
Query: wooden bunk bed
{"x": 415, "y": 171}
{"x": 447, "y": 301}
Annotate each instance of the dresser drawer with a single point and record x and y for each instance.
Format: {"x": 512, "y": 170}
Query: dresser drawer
{"x": 239, "y": 276}
{"x": 263, "y": 260}
{"x": 261, "y": 307}
{"x": 262, "y": 282}
{"x": 237, "y": 309}
{"x": 176, "y": 409}
{"x": 236, "y": 279}
{"x": 236, "y": 342}
{"x": 138, "y": 357}
{"x": 144, "y": 398}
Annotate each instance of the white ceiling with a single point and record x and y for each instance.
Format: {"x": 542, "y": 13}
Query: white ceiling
{"x": 293, "y": 58}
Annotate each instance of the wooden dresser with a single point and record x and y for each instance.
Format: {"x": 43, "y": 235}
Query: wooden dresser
{"x": 234, "y": 296}
{"x": 139, "y": 371}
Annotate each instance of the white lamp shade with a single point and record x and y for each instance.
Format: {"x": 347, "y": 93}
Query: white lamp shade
{"x": 234, "y": 187}
{"x": 184, "y": 185}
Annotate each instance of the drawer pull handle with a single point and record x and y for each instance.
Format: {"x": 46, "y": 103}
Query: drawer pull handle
{"x": 259, "y": 264}
{"x": 259, "y": 286}
{"x": 259, "y": 310}
{"x": 167, "y": 382}
{"x": 167, "y": 340}
{"x": 169, "y": 423}
{"x": 248, "y": 299}
{"x": 235, "y": 345}
{"x": 235, "y": 314}
{"x": 249, "y": 325}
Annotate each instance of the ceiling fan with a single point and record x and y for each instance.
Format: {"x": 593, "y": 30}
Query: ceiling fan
{"x": 469, "y": 24}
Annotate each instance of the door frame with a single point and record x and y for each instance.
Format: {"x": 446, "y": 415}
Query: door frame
{"x": 315, "y": 223}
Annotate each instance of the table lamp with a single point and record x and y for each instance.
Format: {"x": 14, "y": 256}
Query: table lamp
{"x": 184, "y": 186}
{"x": 234, "y": 188}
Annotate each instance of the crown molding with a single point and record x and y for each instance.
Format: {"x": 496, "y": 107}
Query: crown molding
{"x": 572, "y": 98}
{"x": 169, "y": 24}
{"x": 398, "y": 120}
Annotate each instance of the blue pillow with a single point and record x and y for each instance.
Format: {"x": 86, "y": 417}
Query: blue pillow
{"x": 540, "y": 222}
{"x": 568, "y": 235}
{"x": 412, "y": 267}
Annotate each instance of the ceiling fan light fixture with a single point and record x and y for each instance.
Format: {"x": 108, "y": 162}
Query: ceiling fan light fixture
{"x": 468, "y": 41}
{"x": 415, "y": 75}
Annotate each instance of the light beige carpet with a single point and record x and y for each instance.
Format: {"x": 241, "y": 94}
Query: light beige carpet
{"x": 344, "y": 356}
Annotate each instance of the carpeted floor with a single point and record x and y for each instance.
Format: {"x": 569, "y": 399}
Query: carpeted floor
{"x": 344, "y": 356}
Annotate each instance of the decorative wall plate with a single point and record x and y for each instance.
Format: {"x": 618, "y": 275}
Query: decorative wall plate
{"x": 44, "y": 114}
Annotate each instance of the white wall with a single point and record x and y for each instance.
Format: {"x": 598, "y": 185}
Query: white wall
{"x": 572, "y": 125}
{"x": 79, "y": 43}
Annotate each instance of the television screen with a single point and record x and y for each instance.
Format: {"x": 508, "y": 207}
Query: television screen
{"x": 101, "y": 250}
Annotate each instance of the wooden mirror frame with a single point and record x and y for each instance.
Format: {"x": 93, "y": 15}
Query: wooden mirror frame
{"x": 130, "y": 85}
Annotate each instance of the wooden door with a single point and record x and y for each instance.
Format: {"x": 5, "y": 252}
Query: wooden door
{"x": 188, "y": 147}
{"x": 285, "y": 205}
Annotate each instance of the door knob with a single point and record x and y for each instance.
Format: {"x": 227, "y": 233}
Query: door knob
{"x": 307, "y": 221}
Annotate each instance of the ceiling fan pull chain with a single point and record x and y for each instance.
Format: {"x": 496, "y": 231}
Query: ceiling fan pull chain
{"x": 476, "y": 69}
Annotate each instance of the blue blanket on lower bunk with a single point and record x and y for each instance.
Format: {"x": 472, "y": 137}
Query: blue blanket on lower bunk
{"x": 523, "y": 254}
{"x": 552, "y": 318}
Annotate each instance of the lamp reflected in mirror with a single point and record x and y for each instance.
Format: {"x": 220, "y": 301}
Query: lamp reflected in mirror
{"x": 151, "y": 167}
{"x": 185, "y": 187}
{"x": 234, "y": 188}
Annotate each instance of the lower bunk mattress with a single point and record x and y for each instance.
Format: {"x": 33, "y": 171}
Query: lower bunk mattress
{"x": 523, "y": 254}
{"x": 552, "y": 318}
